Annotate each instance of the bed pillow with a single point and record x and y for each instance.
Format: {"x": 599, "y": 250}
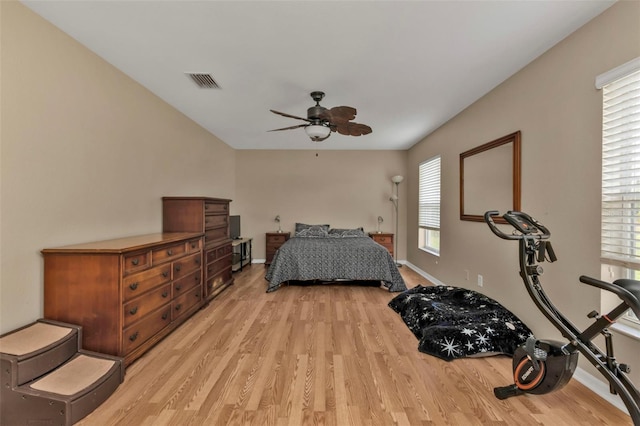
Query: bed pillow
{"x": 303, "y": 226}
{"x": 313, "y": 232}
{"x": 340, "y": 233}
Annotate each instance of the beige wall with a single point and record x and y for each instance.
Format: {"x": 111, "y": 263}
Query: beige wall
{"x": 345, "y": 189}
{"x": 87, "y": 154}
{"x": 554, "y": 103}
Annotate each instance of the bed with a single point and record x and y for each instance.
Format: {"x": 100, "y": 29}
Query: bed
{"x": 453, "y": 322}
{"x": 318, "y": 253}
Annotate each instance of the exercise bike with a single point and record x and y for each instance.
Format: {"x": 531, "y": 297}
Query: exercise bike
{"x": 542, "y": 366}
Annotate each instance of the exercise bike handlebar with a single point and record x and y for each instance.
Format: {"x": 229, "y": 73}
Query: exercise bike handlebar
{"x": 522, "y": 222}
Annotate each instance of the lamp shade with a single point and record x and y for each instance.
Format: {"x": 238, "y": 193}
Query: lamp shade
{"x": 317, "y": 131}
{"x": 397, "y": 179}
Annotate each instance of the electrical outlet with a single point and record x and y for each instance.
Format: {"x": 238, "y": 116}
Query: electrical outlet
{"x": 466, "y": 274}
{"x": 480, "y": 281}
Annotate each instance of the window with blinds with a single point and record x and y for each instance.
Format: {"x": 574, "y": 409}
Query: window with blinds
{"x": 621, "y": 172}
{"x": 620, "y": 239}
{"x": 429, "y": 205}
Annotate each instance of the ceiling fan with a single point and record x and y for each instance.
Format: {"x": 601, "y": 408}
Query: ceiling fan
{"x": 322, "y": 121}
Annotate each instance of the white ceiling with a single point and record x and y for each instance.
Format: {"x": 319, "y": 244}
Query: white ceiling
{"x": 407, "y": 66}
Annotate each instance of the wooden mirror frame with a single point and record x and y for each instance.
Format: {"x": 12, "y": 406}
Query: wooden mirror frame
{"x": 513, "y": 138}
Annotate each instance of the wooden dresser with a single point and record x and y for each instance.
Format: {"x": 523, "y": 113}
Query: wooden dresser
{"x": 384, "y": 239}
{"x": 126, "y": 293}
{"x": 273, "y": 242}
{"x": 210, "y": 216}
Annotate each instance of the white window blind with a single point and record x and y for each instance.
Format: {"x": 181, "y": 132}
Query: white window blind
{"x": 429, "y": 194}
{"x": 621, "y": 171}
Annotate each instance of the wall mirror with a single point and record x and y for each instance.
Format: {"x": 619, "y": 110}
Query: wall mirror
{"x": 490, "y": 178}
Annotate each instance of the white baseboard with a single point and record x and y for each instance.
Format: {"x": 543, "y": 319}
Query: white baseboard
{"x": 258, "y": 260}
{"x": 423, "y": 273}
{"x": 597, "y": 386}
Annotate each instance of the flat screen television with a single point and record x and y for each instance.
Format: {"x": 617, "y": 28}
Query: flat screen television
{"x": 234, "y": 227}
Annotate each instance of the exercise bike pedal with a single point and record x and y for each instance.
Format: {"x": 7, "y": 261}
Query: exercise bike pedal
{"x": 505, "y": 392}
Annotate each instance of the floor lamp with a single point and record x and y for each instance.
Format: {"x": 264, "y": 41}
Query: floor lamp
{"x": 394, "y": 199}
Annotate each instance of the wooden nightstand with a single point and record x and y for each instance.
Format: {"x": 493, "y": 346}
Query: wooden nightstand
{"x": 273, "y": 242}
{"x": 384, "y": 239}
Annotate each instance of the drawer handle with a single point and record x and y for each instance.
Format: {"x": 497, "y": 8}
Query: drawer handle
{"x": 133, "y": 310}
{"x": 169, "y": 252}
{"x": 135, "y": 261}
{"x": 165, "y": 294}
{"x": 198, "y": 296}
{"x": 209, "y": 286}
{"x": 178, "y": 307}
{"x": 133, "y": 337}
{"x": 178, "y": 287}
{"x": 198, "y": 261}
{"x": 178, "y": 268}
{"x": 133, "y": 286}
{"x": 197, "y": 278}
{"x": 165, "y": 316}
{"x": 194, "y": 245}
{"x": 209, "y": 269}
{"x": 165, "y": 274}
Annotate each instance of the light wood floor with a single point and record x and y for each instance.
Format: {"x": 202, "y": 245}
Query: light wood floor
{"x": 323, "y": 355}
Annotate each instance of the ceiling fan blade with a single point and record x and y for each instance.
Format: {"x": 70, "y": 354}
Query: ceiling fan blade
{"x": 353, "y": 129}
{"x": 289, "y": 128}
{"x": 289, "y": 115}
{"x": 341, "y": 114}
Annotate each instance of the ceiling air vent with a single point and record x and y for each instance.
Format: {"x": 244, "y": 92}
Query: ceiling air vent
{"x": 204, "y": 81}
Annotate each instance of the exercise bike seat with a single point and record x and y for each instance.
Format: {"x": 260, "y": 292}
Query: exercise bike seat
{"x": 626, "y": 289}
{"x": 633, "y": 287}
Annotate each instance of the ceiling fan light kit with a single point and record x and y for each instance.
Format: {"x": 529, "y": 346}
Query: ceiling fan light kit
{"x": 322, "y": 121}
{"x": 317, "y": 132}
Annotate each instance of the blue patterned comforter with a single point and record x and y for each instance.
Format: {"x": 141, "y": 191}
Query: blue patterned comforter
{"x": 327, "y": 259}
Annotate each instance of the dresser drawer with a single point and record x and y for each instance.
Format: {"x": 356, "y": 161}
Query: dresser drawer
{"x": 140, "y": 332}
{"x": 134, "y": 262}
{"x": 183, "y": 303}
{"x": 211, "y": 207}
{"x": 219, "y": 252}
{"x": 194, "y": 246}
{"x": 136, "y": 284}
{"x": 167, "y": 253}
{"x": 219, "y": 265}
{"x": 186, "y": 265}
{"x": 218, "y": 281}
{"x": 215, "y": 221}
{"x": 187, "y": 283}
{"x": 141, "y": 306}
{"x": 215, "y": 235}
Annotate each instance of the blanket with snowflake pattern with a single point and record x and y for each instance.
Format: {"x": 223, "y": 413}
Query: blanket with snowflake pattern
{"x": 452, "y": 322}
